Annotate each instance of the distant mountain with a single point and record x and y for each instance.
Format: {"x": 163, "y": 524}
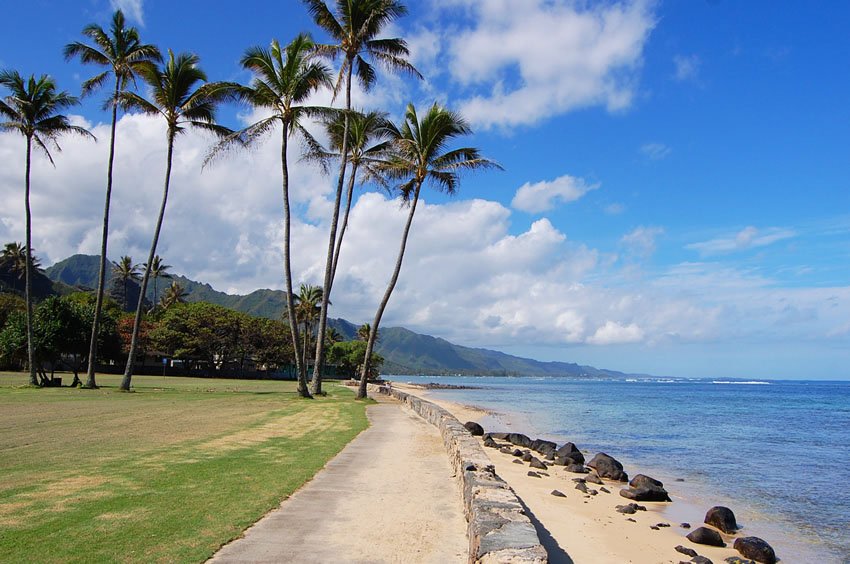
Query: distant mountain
{"x": 405, "y": 352}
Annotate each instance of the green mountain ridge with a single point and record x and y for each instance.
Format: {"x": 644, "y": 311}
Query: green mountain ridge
{"x": 405, "y": 351}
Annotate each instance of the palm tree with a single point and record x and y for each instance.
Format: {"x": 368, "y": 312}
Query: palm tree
{"x": 14, "y": 258}
{"x": 283, "y": 80}
{"x": 363, "y": 333}
{"x": 366, "y": 145}
{"x": 176, "y": 96}
{"x": 158, "y": 270}
{"x": 332, "y": 335}
{"x": 355, "y": 28}
{"x": 122, "y": 53}
{"x": 418, "y": 155}
{"x": 32, "y": 109}
{"x": 126, "y": 271}
{"x": 307, "y": 311}
{"x": 173, "y": 295}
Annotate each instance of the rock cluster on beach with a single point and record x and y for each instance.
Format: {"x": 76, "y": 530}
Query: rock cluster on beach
{"x": 641, "y": 488}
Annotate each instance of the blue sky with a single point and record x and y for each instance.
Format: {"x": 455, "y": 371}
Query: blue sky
{"x": 674, "y": 201}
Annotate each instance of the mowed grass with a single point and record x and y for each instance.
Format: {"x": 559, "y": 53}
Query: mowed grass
{"x": 168, "y": 473}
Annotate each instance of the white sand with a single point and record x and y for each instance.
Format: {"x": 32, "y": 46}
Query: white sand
{"x": 587, "y": 529}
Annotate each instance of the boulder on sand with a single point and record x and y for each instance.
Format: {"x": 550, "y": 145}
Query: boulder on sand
{"x": 496, "y": 436}
{"x": 608, "y": 467}
{"x": 474, "y": 428}
{"x": 756, "y": 549}
{"x": 704, "y": 535}
{"x": 489, "y": 442}
{"x": 542, "y": 446}
{"x": 576, "y": 469}
{"x": 644, "y": 488}
{"x": 536, "y": 463}
{"x": 721, "y": 518}
{"x": 569, "y": 450}
{"x": 519, "y": 440}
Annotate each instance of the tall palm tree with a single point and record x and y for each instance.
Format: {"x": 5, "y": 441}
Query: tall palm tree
{"x": 176, "y": 96}
{"x": 307, "y": 311}
{"x": 363, "y": 333}
{"x": 122, "y": 53}
{"x": 173, "y": 295}
{"x": 32, "y": 109}
{"x": 284, "y": 78}
{"x": 126, "y": 270}
{"x": 366, "y": 145}
{"x": 420, "y": 154}
{"x": 158, "y": 270}
{"x": 355, "y": 28}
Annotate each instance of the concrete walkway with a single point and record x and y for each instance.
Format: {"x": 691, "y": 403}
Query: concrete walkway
{"x": 388, "y": 496}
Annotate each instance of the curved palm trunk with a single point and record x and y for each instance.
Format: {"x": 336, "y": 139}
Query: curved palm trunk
{"x": 101, "y": 276}
{"x": 373, "y": 331}
{"x": 131, "y": 358}
{"x": 290, "y": 304}
{"x": 344, "y": 225}
{"x": 28, "y": 269}
{"x": 316, "y": 385}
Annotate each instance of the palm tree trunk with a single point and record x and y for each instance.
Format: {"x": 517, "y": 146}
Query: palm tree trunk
{"x": 287, "y": 267}
{"x": 316, "y": 384}
{"x": 131, "y": 358}
{"x": 101, "y": 276}
{"x": 28, "y": 268}
{"x": 344, "y": 225}
{"x": 373, "y": 332}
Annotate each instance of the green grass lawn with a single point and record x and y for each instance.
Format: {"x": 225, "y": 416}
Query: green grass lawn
{"x": 168, "y": 473}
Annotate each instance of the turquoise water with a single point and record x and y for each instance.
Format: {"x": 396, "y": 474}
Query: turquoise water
{"x": 776, "y": 452}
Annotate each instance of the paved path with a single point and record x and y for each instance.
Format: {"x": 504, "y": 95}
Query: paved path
{"x": 388, "y": 496}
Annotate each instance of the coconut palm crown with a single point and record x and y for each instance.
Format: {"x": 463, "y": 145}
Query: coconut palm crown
{"x": 32, "y": 108}
{"x": 123, "y": 54}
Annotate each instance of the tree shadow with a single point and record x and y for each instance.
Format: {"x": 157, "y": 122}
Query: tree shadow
{"x": 557, "y": 555}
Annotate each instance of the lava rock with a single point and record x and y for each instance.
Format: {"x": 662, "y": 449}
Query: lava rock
{"x": 662, "y": 525}
{"x": 644, "y": 481}
{"x": 701, "y": 560}
{"x": 630, "y": 509}
{"x": 542, "y": 446}
{"x": 527, "y": 456}
{"x": 533, "y": 474}
{"x": 594, "y": 479}
{"x": 603, "y": 489}
{"x": 579, "y": 480}
{"x": 558, "y": 493}
{"x": 489, "y": 442}
{"x": 519, "y": 439}
{"x": 704, "y": 535}
{"x": 536, "y": 463}
{"x": 685, "y": 525}
{"x": 496, "y": 436}
{"x": 739, "y": 560}
{"x": 608, "y": 467}
{"x": 506, "y": 450}
{"x": 516, "y": 461}
{"x": 721, "y": 518}
{"x": 517, "y": 452}
{"x": 686, "y": 551}
{"x": 581, "y": 487}
{"x": 576, "y": 469}
{"x": 756, "y": 549}
{"x": 645, "y": 494}
{"x": 474, "y": 428}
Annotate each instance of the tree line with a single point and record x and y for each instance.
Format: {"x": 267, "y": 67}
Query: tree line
{"x": 367, "y": 147}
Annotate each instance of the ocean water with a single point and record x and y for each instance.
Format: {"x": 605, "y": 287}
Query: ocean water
{"x": 776, "y": 452}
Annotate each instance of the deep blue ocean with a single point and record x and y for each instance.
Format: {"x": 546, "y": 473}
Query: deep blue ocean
{"x": 776, "y": 452}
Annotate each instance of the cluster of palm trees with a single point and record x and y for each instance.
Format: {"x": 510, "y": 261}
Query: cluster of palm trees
{"x": 367, "y": 146}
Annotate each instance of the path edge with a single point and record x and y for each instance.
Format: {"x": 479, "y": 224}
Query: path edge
{"x": 497, "y": 526}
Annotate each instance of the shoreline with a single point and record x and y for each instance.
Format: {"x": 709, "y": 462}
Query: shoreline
{"x": 587, "y": 528}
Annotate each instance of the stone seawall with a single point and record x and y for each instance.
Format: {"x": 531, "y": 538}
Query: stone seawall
{"x": 498, "y": 528}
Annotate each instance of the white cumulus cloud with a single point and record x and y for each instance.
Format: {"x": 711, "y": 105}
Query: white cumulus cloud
{"x": 544, "y": 195}
{"x": 531, "y": 59}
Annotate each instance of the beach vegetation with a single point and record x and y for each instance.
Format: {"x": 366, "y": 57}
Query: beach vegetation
{"x": 122, "y": 53}
{"x": 126, "y": 271}
{"x": 179, "y": 93}
{"x": 32, "y": 108}
{"x": 355, "y": 27}
{"x": 420, "y": 154}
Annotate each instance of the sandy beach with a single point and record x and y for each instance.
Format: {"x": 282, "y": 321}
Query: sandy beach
{"x": 584, "y": 528}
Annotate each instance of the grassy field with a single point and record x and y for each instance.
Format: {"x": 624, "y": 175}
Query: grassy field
{"x": 168, "y": 473}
